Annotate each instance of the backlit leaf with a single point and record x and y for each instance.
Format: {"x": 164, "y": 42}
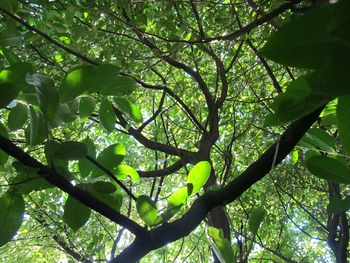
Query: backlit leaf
{"x": 147, "y": 210}
{"x": 221, "y": 245}
{"x": 199, "y": 175}
{"x": 122, "y": 171}
{"x": 129, "y": 109}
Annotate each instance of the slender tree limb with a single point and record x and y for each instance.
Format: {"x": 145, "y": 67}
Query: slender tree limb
{"x": 54, "y": 178}
{"x": 47, "y": 37}
{"x": 112, "y": 176}
{"x": 162, "y": 172}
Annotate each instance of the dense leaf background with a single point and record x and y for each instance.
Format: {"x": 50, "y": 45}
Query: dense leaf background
{"x": 119, "y": 119}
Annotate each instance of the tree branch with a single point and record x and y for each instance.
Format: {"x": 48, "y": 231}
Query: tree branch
{"x": 169, "y": 232}
{"x": 60, "y": 182}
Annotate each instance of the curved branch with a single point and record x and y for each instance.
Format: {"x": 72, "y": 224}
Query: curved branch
{"x": 169, "y": 232}
{"x": 54, "y": 178}
{"x": 163, "y": 172}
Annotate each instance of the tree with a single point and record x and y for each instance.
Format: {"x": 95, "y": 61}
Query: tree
{"x": 163, "y": 130}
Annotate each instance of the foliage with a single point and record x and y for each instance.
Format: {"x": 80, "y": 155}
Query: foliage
{"x": 160, "y": 127}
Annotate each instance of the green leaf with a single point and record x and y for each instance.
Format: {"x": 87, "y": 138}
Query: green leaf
{"x": 111, "y": 157}
{"x": 320, "y": 139}
{"x": 255, "y": 219}
{"x": 85, "y": 166}
{"x": 343, "y": 121}
{"x": 9, "y": 92}
{"x": 221, "y": 245}
{"x": 303, "y": 41}
{"x": 76, "y": 82}
{"x": 113, "y": 200}
{"x": 37, "y": 132}
{"x": 3, "y": 156}
{"x": 86, "y": 106}
{"x": 16, "y": 73}
{"x": 129, "y": 109}
{"x": 75, "y": 213}
{"x": 46, "y": 93}
{"x": 28, "y": 179}
{"x": 340, "y": 21}
{"x": 118, "y": 86}
{"x": 10, "y": 56}
{"x": 199, "y": 175}
{"x": 103, "y": 187}
{"x": 123, "y": 170}
{"x": 295, "y": 156}
{"x": 147, "y": 210}
{"x": 17, "y": 117}
{"x": 70, "y": 150}
{"x": 180, "y": 196}
{"x": 66, "y": 113}
{"x": 328, "y": 169}
{"x": 337, "y": 205}
{"x": 106, "y": 115}
{"x": 11, "y": 215}
{"x": 169, "y": 213}
{"x": 296, "y": 102}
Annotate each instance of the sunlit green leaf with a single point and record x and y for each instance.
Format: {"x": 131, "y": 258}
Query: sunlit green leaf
{"x": 118, "y": 86}
{"x": 122, "y": 171}
{"x": 129, "y": 109}
{"x": 199, "y": 175}
{"x": 180, "y": 196}
{"x": 147, "y": 210}
{"x": 76, "y": 82}
{"x": 221, "y": 245}
{"x": 111, "y": 157}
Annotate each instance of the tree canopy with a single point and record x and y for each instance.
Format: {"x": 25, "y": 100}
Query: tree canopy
{"x": 174, "y": 131}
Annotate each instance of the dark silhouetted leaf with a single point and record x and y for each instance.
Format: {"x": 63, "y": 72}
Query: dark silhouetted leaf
{"x": 11, "y": 215}
{"x": 75, "y": 214}
{"x": 328, "y": 169}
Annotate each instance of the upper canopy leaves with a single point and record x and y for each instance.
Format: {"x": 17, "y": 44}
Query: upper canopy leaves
{"x": 104, "y": 79}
